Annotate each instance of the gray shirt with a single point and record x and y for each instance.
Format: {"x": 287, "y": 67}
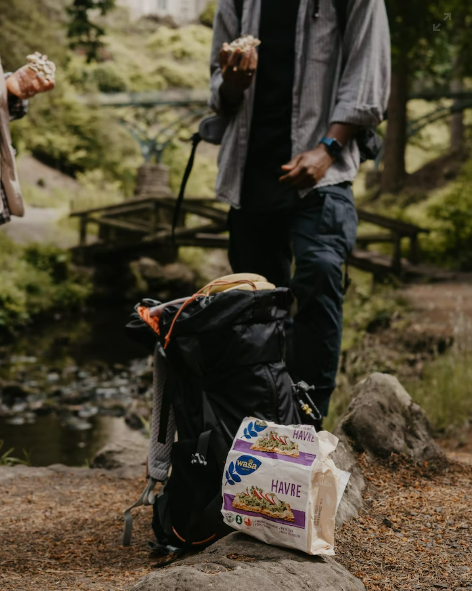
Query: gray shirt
{"x": 343, "y": 80}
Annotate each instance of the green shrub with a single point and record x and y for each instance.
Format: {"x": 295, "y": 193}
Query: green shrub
{"x": 208, "y": 15}
{"x": 108, "y": 79}
{"x": 190, "y": 43}
{"x": 73, "y": 137}
{"x": 453, "y": 214}
{"x": 202, "y": 180}
{"x": 37, "y": 279}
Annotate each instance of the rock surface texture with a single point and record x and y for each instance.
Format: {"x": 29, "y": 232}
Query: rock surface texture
{"x": 383, "y": 419}
{"x": 238, "y": 562}
{"x": 129, "y": 454}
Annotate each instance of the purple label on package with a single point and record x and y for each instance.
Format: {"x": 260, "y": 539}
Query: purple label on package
{"x": 298, "y": 457}
{"x": 298, "y": 519}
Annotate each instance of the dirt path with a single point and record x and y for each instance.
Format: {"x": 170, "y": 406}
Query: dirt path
{"x": 441, "y": 308}
{"x": 51, "y": 192}
{"x": 61, "y": 529}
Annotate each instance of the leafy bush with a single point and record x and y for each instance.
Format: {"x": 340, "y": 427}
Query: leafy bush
{"x": 208, "y": 15}
{"x": 190, "y": 43}
{"x": 453, "y": 216}
{"x": 202, "y": 180}
{"x": 37, "y": 279}
{"x": 32, "y": 25}
{"x": 108, "y": 78}
{"x": 73, "y": 137}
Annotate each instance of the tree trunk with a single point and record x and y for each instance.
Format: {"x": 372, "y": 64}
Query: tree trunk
{"x": 394, "y": 172}
{"x": 457, "y": 119}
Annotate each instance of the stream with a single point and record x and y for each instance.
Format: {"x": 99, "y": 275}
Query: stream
{"x": 67, "y": 385}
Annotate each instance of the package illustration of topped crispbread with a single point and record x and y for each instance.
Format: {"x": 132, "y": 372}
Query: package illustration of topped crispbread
{"x": 281, "y": 486}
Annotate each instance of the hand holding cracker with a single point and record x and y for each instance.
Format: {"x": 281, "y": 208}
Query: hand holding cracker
{"x": 37, "y": 76}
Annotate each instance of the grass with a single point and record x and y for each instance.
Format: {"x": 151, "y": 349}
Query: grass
{"x": 6, "y": 459}
{"x": 445, "y": 390}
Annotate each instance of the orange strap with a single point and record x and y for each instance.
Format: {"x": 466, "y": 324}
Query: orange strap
{"x": 153, "y": 321}
{"x": 193, "y": 543}
{"x": 199, "y": 294}
{"x": 148, "y": 319}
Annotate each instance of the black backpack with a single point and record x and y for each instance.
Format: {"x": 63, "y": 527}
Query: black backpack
{"x": 224, "y": 362}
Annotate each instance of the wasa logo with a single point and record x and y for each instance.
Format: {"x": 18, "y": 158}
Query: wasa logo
{"x": 254, "y": 428}
{"x": 243, "y": 466}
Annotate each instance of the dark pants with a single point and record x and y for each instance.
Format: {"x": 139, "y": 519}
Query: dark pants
{"x": 319, "y": 232}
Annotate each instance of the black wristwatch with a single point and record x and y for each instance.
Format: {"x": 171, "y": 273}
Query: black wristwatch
{"x": 334, "y": 147}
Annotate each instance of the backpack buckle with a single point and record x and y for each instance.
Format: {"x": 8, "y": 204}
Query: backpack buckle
{"x": 198, "y": 458}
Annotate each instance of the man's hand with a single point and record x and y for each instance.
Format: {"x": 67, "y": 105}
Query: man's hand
{"x": 238, "y": 71}
{"x": 25, "y": 83}
{"x": 307, "y": 169}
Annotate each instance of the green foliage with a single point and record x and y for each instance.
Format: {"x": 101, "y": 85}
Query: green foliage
{"x": 31, "y": 25}
{"x": 6, "y": 459}
{"x": 454, "y": 213}
{"x": 73, "y": 137}
{"x": 80, "y": 139}
{"x": 82, "y": 33}
{"x": 108, "y": 79}
{"x": 189, "y": 51}
{"x": 37, "y": 279}
{"x": 96, "y": 191}
{"x": 202, "y": 179}
{"x": 416, "y": 46}
{"x": 208, "y": 15}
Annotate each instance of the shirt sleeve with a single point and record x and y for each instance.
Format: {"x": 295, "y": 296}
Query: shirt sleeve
{"x": 226, "y": 28}
{"x": 17, "y": 107}
{"x": 364, "y": 88}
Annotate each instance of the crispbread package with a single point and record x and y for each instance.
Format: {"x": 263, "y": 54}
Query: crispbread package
{"x": 281, "y": 486}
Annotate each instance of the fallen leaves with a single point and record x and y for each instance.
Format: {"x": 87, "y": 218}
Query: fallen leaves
{"x": 413, "y": 536}
{"x": 70, "y": 536}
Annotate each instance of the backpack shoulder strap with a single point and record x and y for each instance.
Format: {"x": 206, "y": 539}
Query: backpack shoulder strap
{"x": 341, "y": 11}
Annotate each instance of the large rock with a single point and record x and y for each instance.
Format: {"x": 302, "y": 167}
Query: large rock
{"x": 149, "y": 276}
{"x": 239, "y": 563}
{"x": 383, "y": 419}
{"x": 128, "y": 454}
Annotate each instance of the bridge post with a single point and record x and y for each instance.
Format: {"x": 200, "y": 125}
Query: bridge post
{"x": 83, "y": 230}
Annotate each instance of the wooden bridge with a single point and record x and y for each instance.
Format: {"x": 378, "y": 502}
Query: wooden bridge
{"x": 142, "y": 227}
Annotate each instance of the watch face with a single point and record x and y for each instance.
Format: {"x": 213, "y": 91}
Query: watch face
{"x": 334, "y": 147}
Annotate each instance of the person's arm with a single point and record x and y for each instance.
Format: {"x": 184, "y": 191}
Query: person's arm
{"x": 307, "y": 169}
{"x": 231, "y": 74}
{"x": 17, "y": 107}
{"x": 363, "y": 90}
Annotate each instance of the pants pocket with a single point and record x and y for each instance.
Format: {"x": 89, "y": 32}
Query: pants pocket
{"x": 339, "y": 220}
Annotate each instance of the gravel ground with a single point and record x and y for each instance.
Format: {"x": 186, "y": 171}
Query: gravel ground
{"x": 61, "y": 529}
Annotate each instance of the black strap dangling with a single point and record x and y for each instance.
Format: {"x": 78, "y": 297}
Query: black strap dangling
{"x": 196, "y": 139}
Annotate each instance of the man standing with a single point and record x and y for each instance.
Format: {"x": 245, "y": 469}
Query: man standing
{"x": 289, "y": 155}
